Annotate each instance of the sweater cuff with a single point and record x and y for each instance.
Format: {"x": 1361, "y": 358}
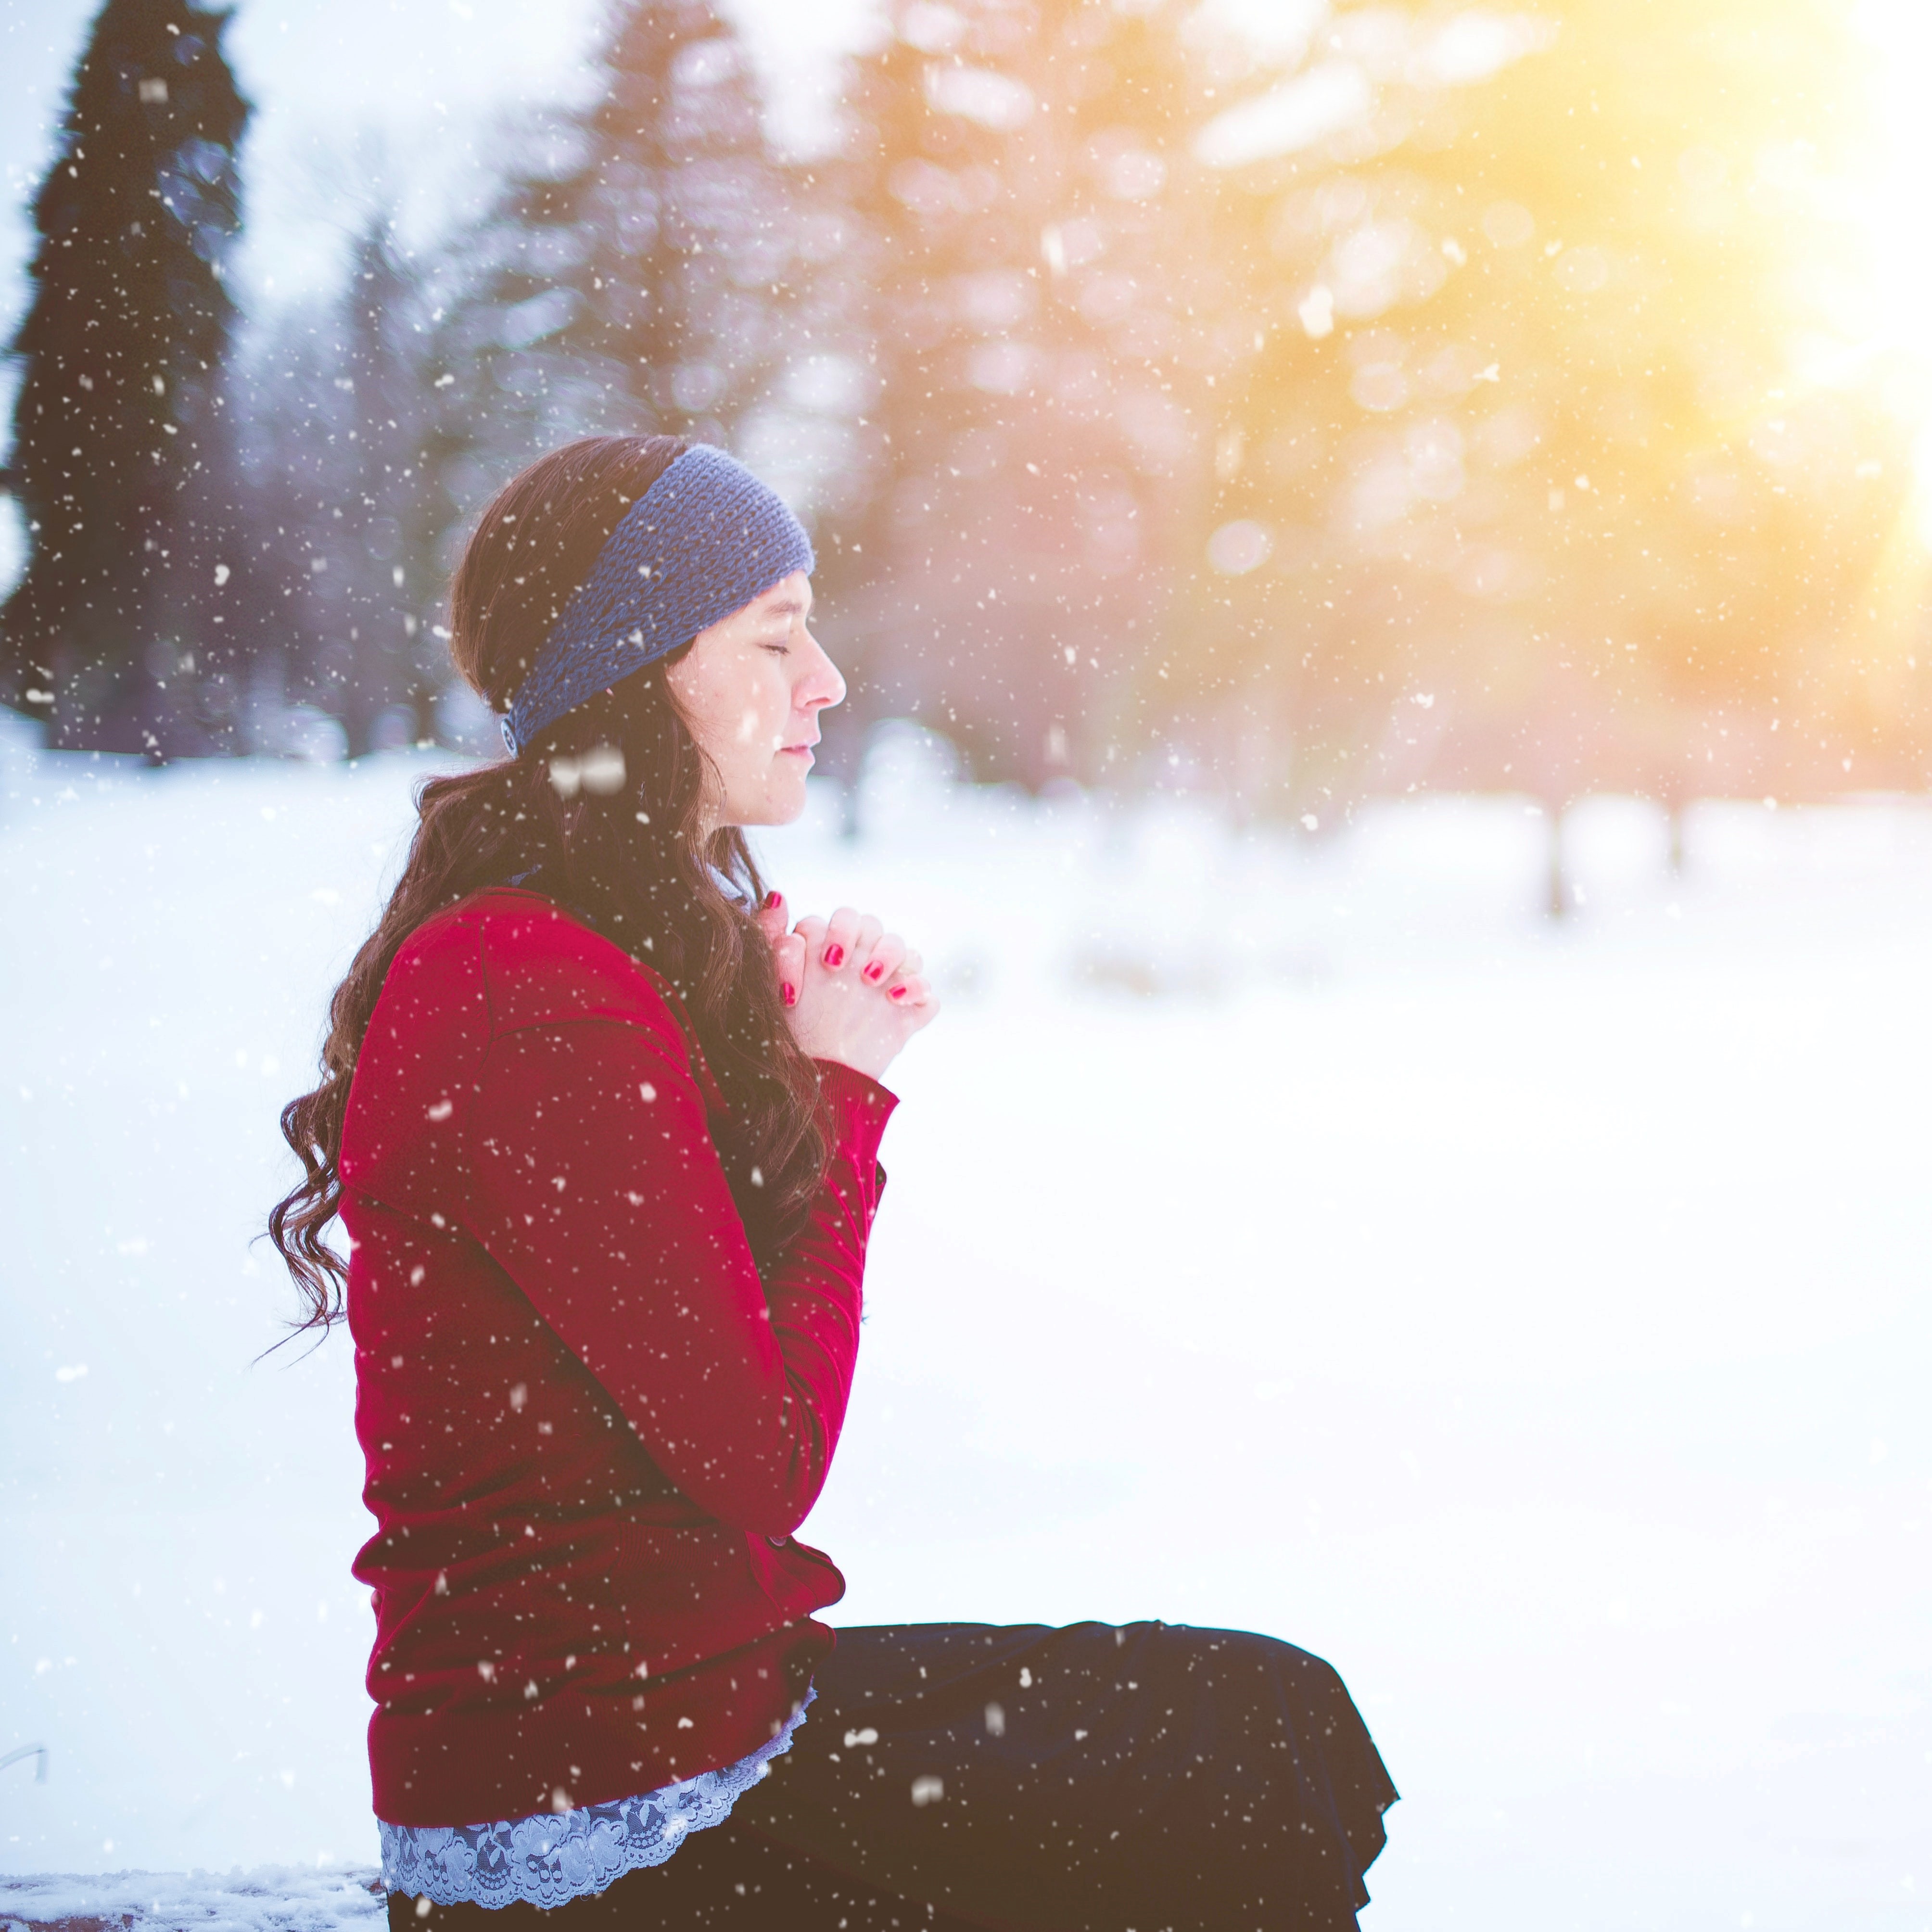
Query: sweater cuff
{"x": 856, "y": 1110}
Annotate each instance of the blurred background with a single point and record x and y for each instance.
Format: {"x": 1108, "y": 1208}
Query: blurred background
{"x": 1382, "y": 554}
{"x": 1295, "y": 404}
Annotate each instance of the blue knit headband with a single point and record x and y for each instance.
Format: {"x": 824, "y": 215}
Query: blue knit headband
{"x": 701, "y": 542}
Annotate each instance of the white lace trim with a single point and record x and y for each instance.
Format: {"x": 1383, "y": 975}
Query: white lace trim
{"x": 564, "y": 1855}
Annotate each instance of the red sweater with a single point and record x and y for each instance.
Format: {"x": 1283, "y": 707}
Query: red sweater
{"x": 590, "y": 1426}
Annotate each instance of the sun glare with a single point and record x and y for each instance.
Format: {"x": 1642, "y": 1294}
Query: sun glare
{"x": 1893, "y": 204}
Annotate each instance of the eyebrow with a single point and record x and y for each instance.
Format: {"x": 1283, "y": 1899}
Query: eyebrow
{"x": 785, "y": 607}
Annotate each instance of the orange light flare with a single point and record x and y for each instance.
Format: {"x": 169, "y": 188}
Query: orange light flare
{"x": 1879, "y": 321}
{"x": 1889, "y": 199}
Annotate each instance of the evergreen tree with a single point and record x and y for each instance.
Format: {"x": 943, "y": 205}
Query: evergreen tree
{"x": 346, "y": 571}
{"x": 625, "y": 281}
{"x": 292, "y": 472}
{"x": 121, "y": 450}
{"x": 375, "y": 514}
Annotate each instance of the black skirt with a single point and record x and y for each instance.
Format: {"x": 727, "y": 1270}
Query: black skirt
{"x": 1149, "y": 1777}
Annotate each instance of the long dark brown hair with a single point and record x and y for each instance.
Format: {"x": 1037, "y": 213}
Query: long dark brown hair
{"x": 635, "y": 862}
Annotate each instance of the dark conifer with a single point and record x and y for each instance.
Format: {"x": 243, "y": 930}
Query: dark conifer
{"x": 120, "y": 450}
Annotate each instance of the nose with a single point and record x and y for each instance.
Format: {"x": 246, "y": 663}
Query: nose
{"x": 820, "y": 685}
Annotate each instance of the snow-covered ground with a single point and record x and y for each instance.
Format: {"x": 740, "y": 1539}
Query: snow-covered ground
{"x": 1300, "y": 1235}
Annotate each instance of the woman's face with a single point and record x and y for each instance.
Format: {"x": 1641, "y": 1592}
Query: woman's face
{"x": 751, "y": 689}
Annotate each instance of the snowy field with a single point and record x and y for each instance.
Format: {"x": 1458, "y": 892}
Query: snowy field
{"x": 1300, "y": 1235}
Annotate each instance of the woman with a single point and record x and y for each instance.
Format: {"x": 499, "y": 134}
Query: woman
{"x": 602, "y": 1123}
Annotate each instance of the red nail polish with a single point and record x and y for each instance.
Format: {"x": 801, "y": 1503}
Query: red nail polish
{"x": 773, "y": 901}
{"x": 897, "y": 993}
{"x": 834, "y": 955}
{"x": 788, "y": 993}
{"x": 875, "y": 972}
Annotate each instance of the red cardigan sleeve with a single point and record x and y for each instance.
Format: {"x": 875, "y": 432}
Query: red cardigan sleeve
{"x": 596, "y": 1185}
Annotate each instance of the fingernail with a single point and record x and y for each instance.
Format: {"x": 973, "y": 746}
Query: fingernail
{"x": 875, "y": 972}
{"x": 897, "y": 993}
{"x": 788, "y": 993}
{"x": 773, "y": 901}
{"x": 834, "y": 955}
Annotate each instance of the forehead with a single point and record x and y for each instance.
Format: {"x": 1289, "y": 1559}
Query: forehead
{"x": 790, "y": 596}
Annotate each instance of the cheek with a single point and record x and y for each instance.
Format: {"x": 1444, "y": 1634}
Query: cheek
{"x": 726, "y": 714}
{"x": 739, "y": 734}
{"x": 762, "y": 714}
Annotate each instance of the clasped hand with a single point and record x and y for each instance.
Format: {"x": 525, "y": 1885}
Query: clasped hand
{"x": 853, "y": 992}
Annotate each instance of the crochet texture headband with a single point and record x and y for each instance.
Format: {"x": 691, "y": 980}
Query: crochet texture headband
{"x": 702, "y": 542}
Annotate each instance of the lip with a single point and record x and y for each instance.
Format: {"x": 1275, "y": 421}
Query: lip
{"x": 800, "y": 751}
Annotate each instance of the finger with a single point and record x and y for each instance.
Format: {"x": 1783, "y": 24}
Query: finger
{"x": 788, "y": 957}
{"x": 773, "y": 918}
{"x": 887, "y": 962}
{"x": 915, "y": 991}
{"x": 811, "y": 932}
{"x": 841, "y": 933}
{"x": 871, "y": 931}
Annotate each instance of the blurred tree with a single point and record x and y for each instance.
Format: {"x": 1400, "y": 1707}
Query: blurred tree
{"x": 285, "y": 382}
{"x": 626, "y": 279}
{"x": 374, "y": 660}
{"x": 1425, "y": 400}
{"x": 1711, "y": 516}
{"x": 345, "y": 581}
{"x": 1568, "y": 513}
{"x": 1100, "y": 401}
{"x": 1292, "y": 604}
{"x": 120, "y": 458}
{"x": 1031, "y": 301}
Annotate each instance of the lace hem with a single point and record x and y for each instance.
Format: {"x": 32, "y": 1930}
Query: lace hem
{"x": 555, "y": 1857}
